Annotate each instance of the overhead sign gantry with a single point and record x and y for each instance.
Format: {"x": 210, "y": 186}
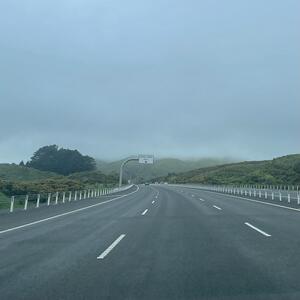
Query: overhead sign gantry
{"x": 142, "y": 159}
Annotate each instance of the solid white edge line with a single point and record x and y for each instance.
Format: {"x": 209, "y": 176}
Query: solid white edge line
{"x": 65, "y": 214}
{"x": 112, "y": 246}
{"x": 217, "y": 207}
{"x": 144, "y": 212}
{"x": 257, "y": 229}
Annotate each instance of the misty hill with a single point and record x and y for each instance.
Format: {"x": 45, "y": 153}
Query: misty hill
{"x": 161, "y": 167}
{"x": 282, "y": 170}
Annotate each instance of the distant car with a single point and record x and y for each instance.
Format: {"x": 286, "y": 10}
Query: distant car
{"x": 147, "y": 183}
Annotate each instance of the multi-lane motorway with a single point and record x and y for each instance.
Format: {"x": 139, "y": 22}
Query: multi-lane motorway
{"x": 152, "y": 242}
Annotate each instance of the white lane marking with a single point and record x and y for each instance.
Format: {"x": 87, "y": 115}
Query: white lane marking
{"x": 112, "y": 246}
{"x": 201, "y": 199}
{"x": 257, "y": 229}
{"x": 217, "y": 207}
{"x": 156, "y": 196}
{"x": 256, "y": 201}
{"x": 153, "y": 202}
{"x": 144, "y": 212}
{"x": 65, "y": 214}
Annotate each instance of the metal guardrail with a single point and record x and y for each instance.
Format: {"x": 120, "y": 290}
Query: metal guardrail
{"x": 28, "y": 201}
{"x": 288, "y": 195}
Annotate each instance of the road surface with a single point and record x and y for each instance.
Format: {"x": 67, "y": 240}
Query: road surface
{"x": 152, "y": 242}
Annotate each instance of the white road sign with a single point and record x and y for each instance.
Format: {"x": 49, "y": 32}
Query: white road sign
{"x": 146, "y": 159}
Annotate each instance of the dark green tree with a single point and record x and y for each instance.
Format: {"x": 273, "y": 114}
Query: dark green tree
{"x": 60, "y": 160}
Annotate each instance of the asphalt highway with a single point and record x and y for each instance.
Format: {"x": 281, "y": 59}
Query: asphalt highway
{"x": 152, "y": 242}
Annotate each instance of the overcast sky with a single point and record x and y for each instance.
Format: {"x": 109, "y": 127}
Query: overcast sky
{"x": 170, "y": 78}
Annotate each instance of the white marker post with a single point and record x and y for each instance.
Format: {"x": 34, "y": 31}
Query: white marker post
{"x": 64, "y": 197}
{"x": 12, "y": 201}
{"x": 26, "y": 202}
{"x": 38, "y": 200}
{"x": 49, "y": 199}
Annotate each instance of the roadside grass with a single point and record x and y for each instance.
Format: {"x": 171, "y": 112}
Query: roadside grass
{"x": 4, "y": 201}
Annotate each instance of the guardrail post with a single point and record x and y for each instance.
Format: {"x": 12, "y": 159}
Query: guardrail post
{"x": 84, "y": 194}
{"x": 88, "y": 194}
{"x": 298, "y": 198}
{"x": 26, "y": 202}
{"x": 70, "y": 196}
{"x": 12, "y": 201}
{"x": 49, "y": 199}
{"x": 38, "y": 200}
{"x": 266, "y": 195}
{"x": 289, "y": 198}
{"x": 280, "y": 197}
{"x": 259, "y": 194}
{"x": 75, "y": 196}
{"x": 80, "y": 195}
{"x": 272, "y": 195}
{"x": 56, "y": 198}
{"x": 64, "y": 197}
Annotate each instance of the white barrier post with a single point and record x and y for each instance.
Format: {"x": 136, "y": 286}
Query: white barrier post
{"x": 80, "y": 195}
{"x": 280, "y": 197}
{"x": 266, "y": 195}
{"x": 298, "y": 198}
{"x": 259, "y": 194}
{"x": 254, "y": 193}
{"x": 12, "y": 201}
{"x": 26, "y": 202}
{"x": 289, "y": 198}
{"x": 88, "y": 194}
{"x": 38, "y": 200}
{"x": 49, "y": 199}
{"x": 56, "y": 198}
{"x": 64, "y": 197}
{"x": 70, "y": 196}
{"x": 84, "y": 194}
{"x": 75, "y": 196}
{"x": 272, "y": 195}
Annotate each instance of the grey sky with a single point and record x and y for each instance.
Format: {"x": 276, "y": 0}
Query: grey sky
{"x": 173, "y": 78}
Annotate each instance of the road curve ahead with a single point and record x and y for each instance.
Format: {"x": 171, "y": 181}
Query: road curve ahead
{"x": 152, "y": 242}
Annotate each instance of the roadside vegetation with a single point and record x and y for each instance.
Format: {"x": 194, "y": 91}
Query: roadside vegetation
{"x": 74, "y": 171}
{"x": 279, "y": 171}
